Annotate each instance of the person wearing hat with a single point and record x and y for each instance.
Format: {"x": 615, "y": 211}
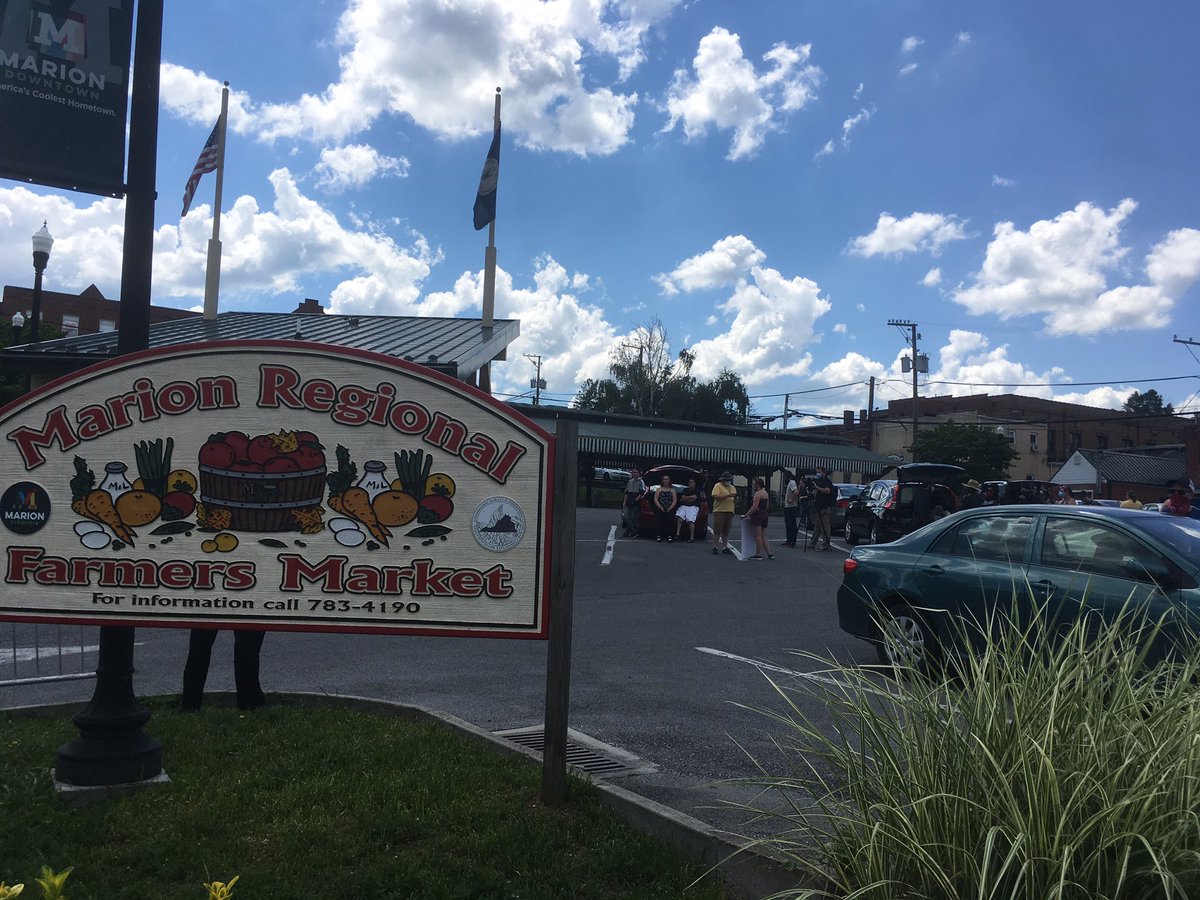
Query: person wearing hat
{"x": 723, "y": 494}
{"x": 1179, "y": 500}
{"x": 972, "y": 495}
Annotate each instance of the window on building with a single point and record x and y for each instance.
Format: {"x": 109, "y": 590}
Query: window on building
{"x": 1076, "y": 440}
{"x": 1051, "y": 442}
{"x": 1126, "y": 442}
{"x": 1102, "y": 442}
{"x": 107, "y": 325}
{"x": 1012, "y": 437}
{"x": 1033, "y": 442}
{"x": 70, "y": 326}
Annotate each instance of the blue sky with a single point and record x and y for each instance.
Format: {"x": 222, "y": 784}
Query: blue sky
{"x": 773, "y": 180}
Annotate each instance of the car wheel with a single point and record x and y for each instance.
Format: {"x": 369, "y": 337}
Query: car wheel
{"x": 873, "y": 535}
{"x": 907, "y": 643}
{"x": 850, "y": 538}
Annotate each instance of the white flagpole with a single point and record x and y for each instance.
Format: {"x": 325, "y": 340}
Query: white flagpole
{"x": 212, "y": 272}
{"x": 489, "y": 273}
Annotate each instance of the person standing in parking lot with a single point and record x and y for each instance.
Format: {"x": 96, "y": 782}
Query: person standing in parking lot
{"x": 972, "y": 497}
{"x": 822, "y": 510}
{"x": 1131, "y": 501}
{"x": 687, "y": 510}
{"x": 1179, "y": 500}
{"x": 666, "y": 498}
{"x": 723, "y": 496}
{"x": 791, "y": 510}
{"x": 635, "y": 490}
{"x": 759, "y": 515}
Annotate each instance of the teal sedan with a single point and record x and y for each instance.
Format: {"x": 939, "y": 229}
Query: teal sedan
{"x": 912, "y": 598}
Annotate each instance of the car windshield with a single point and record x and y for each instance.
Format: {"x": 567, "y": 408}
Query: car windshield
{"x": 1180, "y": 534}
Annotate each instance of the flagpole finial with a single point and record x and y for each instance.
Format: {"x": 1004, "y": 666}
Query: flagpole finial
{"x": 227, "y": 84}
{"x": 497, "y": 90}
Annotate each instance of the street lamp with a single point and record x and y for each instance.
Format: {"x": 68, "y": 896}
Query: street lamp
{"x": 42, "y": 243}
{"x": 18, "y": 322}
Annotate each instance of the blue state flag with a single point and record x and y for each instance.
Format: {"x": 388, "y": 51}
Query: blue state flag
{"x": 485, "y": 200}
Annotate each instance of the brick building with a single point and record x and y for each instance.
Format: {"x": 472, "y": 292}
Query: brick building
{"x": 1045, "y": 433}
{"x": 89, "y": 312}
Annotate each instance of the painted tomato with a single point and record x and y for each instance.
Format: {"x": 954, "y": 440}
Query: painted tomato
{"x": 239, "y": 442}
{"x": 217, "y": 454}
{"x": 435, "y": 508}
{"x": 181, "y": 502}
{"x": 281, "y": 464}
{"x": 261, "y": 449}
{"x": 307, "y": 437}
{"x": 245, "y": 465}
{"x": 307, "y": 457}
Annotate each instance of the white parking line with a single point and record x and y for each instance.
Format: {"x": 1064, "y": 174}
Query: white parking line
{"x": 608, "y": 550}
{"x": 758, "y": 663}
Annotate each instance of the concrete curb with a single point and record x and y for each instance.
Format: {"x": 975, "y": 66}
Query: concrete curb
{"x": 747, "y": 873}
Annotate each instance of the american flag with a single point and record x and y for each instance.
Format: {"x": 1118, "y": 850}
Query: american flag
{"x": 206, "y": 162}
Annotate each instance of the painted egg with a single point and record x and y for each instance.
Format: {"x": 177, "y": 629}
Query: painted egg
{"x": 341, "y": 523}
{"x": 95, "y": 540}
{"x": 348, "y": 538}
{"x": 87, "y": 526}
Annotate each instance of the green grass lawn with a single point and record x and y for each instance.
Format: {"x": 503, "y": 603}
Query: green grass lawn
{"x": 324, "y": 803}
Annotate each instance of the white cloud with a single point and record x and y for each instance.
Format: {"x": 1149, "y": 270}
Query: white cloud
{"x": 840, "y": 328}
{"x": 1174, "y": 262}
{"x": 963, "y": 38}
{"x": 932, "y": 278}
{"x": 858, "y": 91}
{"x": 573, "y": 338}
{"x": 726, "y": 92}
{"x": 860, "y": 307}
{"x": 196, "y": 97}
{"x": 848, "y": 125}
{"x": 765, "y": 323}
{"x": 908, "y": 69}
{"x": 729, "y": 259}
{"x": 1057, "y": 269}
{"x": 439, "y": 63}
{"x": 266, "y": 251}
{"x": 1001, "y": 181}
{"x": 353, "y": 165}
{"x": 910, "y": 43}
{"x": 917, "y": 232}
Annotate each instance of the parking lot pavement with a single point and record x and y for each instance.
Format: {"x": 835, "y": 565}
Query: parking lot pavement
{"x": 671, "y": 645}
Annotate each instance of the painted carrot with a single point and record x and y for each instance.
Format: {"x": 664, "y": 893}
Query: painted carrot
{"x": 100, "y": 507}
{"x": 356, "y": 502}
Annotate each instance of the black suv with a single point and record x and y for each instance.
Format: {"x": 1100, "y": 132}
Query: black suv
{"x": 889, "y": 508}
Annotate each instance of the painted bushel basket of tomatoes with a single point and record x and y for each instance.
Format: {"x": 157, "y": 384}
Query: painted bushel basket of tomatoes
{"x": 271, "y": 482}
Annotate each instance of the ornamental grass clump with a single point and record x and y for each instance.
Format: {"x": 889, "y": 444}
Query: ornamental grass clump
{"x": 1051, "y": 759}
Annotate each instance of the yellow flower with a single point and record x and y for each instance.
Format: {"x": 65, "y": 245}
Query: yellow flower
{"x": 219, "y": 890}
{"x": 8, "y": 893}
{"x": 52, "y": 884}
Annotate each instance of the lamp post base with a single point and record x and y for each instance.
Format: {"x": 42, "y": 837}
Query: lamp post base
{"x": 111, "y": 747}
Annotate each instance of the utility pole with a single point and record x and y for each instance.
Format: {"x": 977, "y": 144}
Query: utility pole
{"x": 918, "y": 363}
{"x": 537, "y": 383}
{"x": 871, "y": 414}
{"x": 787, "y": 402}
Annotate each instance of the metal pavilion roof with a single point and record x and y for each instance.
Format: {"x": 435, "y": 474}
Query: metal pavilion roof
{"x": 457, "y": 346}
{"x": 617, "y": 439}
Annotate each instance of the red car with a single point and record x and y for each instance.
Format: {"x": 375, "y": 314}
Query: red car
{"x": 646, "y": 523}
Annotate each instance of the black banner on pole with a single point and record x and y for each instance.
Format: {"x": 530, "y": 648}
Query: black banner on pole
{"x": 64, "y": 84}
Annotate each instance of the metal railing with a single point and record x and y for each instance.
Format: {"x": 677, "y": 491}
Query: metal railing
{"x": 36, "y": 654}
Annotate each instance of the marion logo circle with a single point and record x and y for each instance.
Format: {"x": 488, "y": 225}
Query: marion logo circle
{"x": 25, "y": 508}
{"x": 498, "y": 524}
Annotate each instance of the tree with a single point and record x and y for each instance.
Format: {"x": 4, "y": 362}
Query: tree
{"x": 985, "y": 455}
{"x": 1148, "y": 404}
{"x": 645, "y": 381}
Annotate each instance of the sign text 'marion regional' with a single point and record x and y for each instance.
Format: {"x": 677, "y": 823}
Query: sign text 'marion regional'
{"x": 279, "y": 386}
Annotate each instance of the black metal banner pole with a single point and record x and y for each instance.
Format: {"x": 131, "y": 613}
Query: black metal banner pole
{"x": 111, "y": 747}
{"x": 561, "y": 602}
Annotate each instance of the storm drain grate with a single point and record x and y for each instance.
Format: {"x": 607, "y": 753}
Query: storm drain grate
{"x": 584, "y": 753}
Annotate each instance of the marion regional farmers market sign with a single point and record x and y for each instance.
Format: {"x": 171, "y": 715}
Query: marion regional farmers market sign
{"x": 280, "y": 485}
